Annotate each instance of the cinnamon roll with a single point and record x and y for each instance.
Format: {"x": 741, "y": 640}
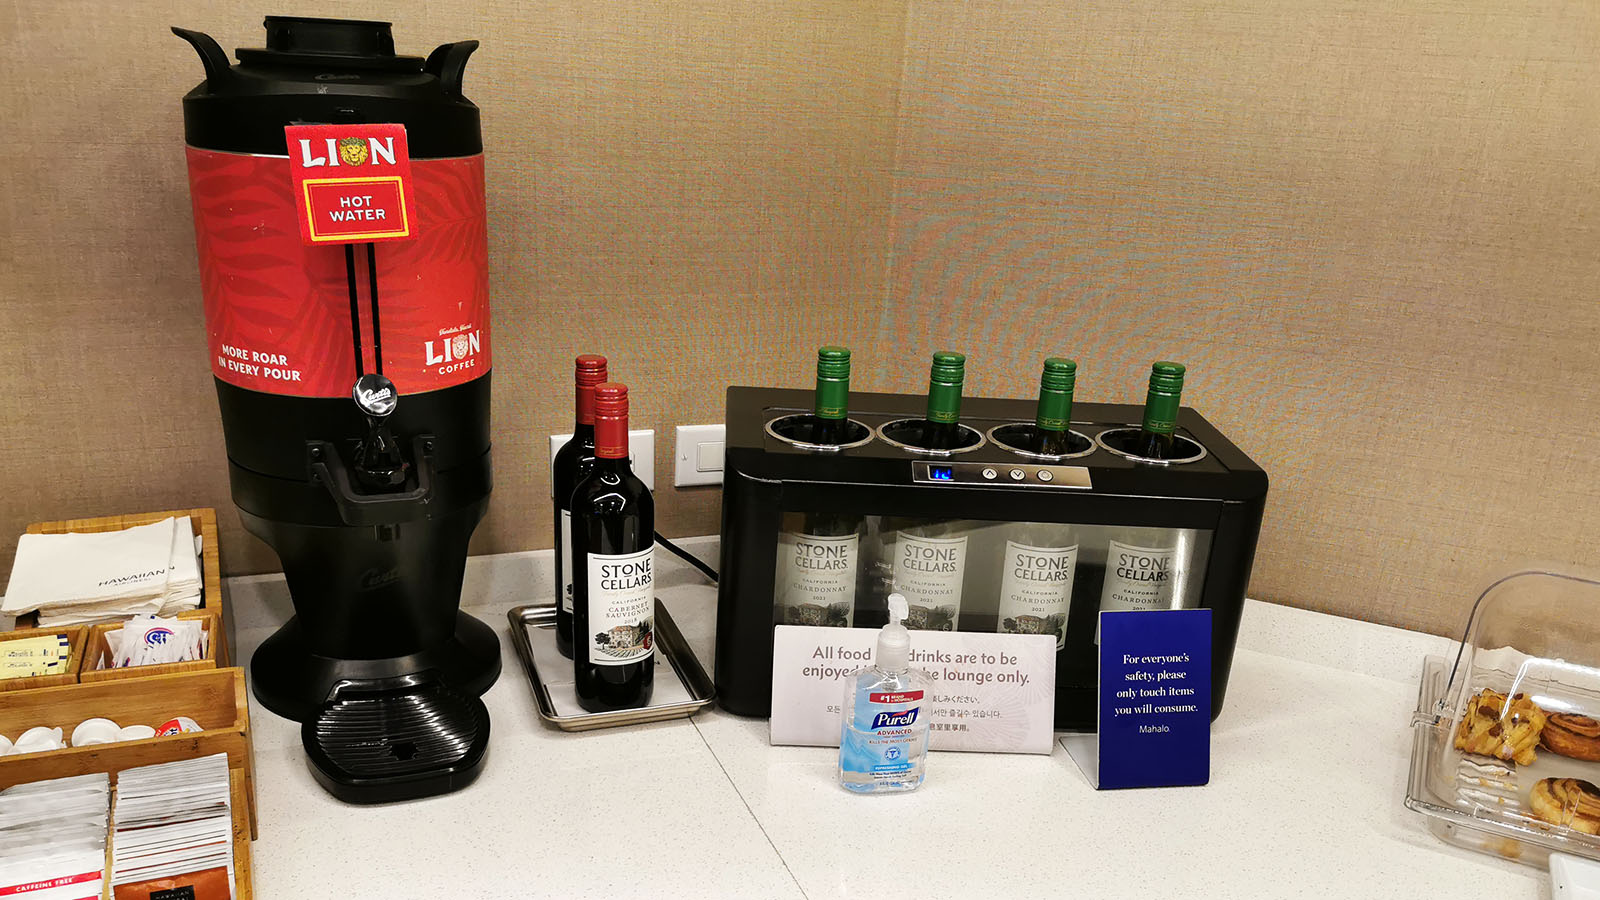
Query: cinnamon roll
{"x": 1569, "y": 802}
{"x": 1575, "y": 736}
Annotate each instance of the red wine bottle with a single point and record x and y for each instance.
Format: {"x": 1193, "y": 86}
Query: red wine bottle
{"x": 613, "y": 567}
{"x": 572, "y": 462}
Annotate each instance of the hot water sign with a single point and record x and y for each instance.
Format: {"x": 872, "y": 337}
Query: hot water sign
{"x": 352, "y": 183}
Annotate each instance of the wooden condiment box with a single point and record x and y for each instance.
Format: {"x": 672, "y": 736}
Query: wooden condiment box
{"x": 202, "y": 520}
{"x": 97, "y": 653}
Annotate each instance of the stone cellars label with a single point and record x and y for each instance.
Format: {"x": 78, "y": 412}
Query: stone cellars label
{"x": 1138, "y": 577}
{"x": 1036, "y": 590}
{"x": 621, "y": 607}
{"x": 817, "y": 578}
{"x": 929, "y": 572}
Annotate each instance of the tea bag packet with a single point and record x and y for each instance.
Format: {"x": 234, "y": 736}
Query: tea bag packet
{"x": 53, "y": 838}
{"x": 174, "y": 830}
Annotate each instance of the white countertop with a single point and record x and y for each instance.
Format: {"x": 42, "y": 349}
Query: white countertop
{"x": 1308, "y": 773}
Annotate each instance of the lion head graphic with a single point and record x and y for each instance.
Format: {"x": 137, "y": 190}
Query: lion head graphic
{"x": 352, "y": 151}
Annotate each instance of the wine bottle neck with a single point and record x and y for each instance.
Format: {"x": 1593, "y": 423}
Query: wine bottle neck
{"x": 1161, "y": 413}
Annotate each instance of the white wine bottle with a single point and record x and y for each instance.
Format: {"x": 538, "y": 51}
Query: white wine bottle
{"x": 930, "y": 566}
{"x": 1141, "y": 570}
{"x": 1038, "y": 565}
{"x": 819, "y": 554}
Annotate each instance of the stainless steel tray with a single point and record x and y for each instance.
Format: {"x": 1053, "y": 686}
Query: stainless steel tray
{"x": 533, "y": 630}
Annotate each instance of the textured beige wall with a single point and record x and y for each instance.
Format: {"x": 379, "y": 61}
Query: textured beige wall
{"x": 699, "y": 190}
{"x": 1369, "y": 228}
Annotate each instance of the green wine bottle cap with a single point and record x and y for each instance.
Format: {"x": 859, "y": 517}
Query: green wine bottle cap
{"x": 1161, "y": 405}
{"x": 944, "y": 386}
{"x": 1167, "y": 377}
{"x": 833, "y": 383}
{"x": 1055, "y": 394}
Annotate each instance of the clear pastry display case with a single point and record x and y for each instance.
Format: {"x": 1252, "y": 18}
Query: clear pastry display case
{"x": 1506, "y": 748}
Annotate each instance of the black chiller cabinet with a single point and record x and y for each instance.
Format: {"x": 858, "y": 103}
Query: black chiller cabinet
{"x": 1175, "y": 534}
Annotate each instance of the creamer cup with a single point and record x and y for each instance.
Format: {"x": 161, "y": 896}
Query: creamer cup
{"x": 95, "y": 731}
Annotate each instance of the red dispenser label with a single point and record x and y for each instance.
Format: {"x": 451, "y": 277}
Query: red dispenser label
{"x": 352, "y": 183}
{"x": 278, "y": 309}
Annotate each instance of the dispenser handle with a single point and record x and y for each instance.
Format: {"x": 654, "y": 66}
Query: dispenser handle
{"x": 448, "y": 62}
{"x": 211, "y": 53}
{"x": 327, "y": 469}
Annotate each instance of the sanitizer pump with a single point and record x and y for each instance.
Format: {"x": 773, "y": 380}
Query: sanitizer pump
{"x": 883, "y": 738}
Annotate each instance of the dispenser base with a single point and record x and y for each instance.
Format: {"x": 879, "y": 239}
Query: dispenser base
{"x": 297, "y": 684}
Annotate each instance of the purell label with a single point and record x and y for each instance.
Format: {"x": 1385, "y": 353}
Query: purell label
{"x": 1036, "y": 589}
{"x": 621, "y": 607}
{"x": 928, "y": 571}
{"x": 1138, "y": 577}
{"x": 817, "y": 579}
{"x": 566, "y": 560}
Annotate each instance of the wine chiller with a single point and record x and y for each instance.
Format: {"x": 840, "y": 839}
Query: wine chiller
{"x": 1133, "y": 533}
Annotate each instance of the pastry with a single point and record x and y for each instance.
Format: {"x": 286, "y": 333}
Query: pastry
{"x": 1569, "y": 802}
{"x": 1494, "y": 727}
{"x": 1574, "y": 736}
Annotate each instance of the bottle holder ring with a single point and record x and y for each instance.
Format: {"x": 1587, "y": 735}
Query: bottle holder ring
{"x": 796, "y": 430}
{"x": 1121, "y": 440}
{"x": 904, "y": 433}
{"x": 1016, "y": 437}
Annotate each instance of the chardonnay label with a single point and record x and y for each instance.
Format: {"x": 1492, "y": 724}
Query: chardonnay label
{"x": 566, "y": 560}
{"x": 1138, "y": 577}
{"x": 1036, "y": 589}
{"x": 817, "y": 578}
{"x": 621, "y": 607}
{"x": 928, "y": 571}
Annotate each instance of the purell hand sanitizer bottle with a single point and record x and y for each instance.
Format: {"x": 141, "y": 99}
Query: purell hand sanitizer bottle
{"x": 883, "y": 741}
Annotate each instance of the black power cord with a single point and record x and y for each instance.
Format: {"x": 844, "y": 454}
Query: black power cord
{"x": 687, "y": 557}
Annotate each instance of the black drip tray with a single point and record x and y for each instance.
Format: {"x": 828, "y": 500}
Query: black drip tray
{"x": 376, "y": 743}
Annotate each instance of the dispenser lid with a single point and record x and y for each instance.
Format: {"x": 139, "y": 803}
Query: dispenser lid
{"x": 324, "y": 43}
{"x": 333, "y": 71}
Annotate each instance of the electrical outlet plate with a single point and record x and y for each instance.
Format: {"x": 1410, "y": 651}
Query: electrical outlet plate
{"x": 641, "y": 452}
{"x": 698, "y": 456}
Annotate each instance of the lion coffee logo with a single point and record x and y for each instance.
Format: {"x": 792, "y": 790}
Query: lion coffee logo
{"x": 454, "y": 353}
{"x": 352, "y": 183}
{"x": 347, "y": 151}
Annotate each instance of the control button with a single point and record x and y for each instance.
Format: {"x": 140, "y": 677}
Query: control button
{"x": 990, "y": 474}
{"x": 1018, "y": 474}
{"x": 1044, "y": 475}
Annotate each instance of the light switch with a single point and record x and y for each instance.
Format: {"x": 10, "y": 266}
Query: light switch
{"x": 698, "y": 456}
{"x": 709, "y": 458}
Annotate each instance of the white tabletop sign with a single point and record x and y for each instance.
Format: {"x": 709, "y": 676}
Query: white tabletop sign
{"x": 993, "y": 692}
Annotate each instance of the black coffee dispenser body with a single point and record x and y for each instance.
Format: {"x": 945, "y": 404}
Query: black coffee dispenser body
{"x": 367, "y": 494}
{"x": 1205, "y": 512}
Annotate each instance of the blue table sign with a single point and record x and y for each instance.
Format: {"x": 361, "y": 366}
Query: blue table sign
{"x": 1155, "y": 699}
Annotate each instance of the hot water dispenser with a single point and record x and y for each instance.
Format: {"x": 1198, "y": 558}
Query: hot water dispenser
{"x": 353, "y": 381}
